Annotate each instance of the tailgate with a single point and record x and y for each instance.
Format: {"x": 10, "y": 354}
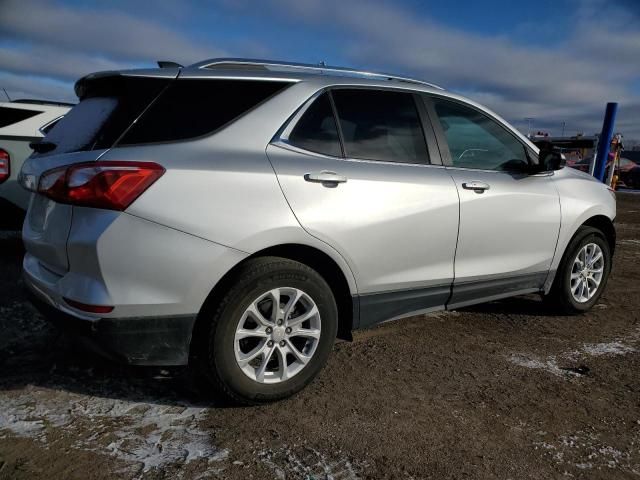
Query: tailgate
{"x": 47, "y": 223}
{"x": 110, "y": 104}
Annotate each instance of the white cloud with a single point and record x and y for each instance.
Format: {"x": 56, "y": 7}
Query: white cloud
{"x": 571, "y": 82}
{"x": 111, "y": 33}
{"x": 21, "y": 86}
{"x": 52, "y": 62}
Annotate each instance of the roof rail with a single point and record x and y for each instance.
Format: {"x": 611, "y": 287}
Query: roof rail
{"x": 321, "y": 68}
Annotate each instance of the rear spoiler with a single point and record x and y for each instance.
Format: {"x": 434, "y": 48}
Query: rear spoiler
{"x": 166, "y": 71}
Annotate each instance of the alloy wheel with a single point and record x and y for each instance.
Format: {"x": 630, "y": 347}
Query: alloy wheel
{"x": 587, "y": 272}
{"x": 277, "y": 335}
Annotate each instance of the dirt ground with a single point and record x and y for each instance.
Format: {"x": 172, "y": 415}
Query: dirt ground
{"x": 503, "y": 390}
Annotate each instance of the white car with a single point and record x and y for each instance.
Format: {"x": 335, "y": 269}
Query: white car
{"x": 22, "y": 122}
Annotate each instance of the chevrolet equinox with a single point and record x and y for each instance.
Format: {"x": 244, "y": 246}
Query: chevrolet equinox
{"x": 239, "y": 215}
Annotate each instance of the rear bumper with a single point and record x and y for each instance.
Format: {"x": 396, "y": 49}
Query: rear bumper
{"x": 156, "y": 279}
{"x": 134, "y": 340}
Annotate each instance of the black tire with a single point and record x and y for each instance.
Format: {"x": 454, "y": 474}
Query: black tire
{"x": 560, "y": 297}
{"x": 256, "y": 276}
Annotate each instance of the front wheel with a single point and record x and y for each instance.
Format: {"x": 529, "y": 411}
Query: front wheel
{"x": 272, "y": 331}
{"x": 582, "y": 273}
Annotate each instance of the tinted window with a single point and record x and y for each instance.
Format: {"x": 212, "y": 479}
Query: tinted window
{"x": 380, "y": 125}
{"x": 316, "y": 130}
{"x": 107, "y": 107}
{"x": 78, "y": 129}
{"x": 191, "y": 108}
{"x": 476, "y": 141}
{"x": 9, "y": 116}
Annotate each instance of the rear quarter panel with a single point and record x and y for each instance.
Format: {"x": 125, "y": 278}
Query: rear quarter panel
{"x": 222, "y": 187}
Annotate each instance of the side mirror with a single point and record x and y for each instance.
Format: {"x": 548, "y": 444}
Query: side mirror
{"x": 550, "y": 160}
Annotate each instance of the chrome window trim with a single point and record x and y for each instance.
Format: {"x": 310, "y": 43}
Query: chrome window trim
{"x": 281, "y": 138}
{"x": 287, "y": 146}
{"x": 508, "y": 172}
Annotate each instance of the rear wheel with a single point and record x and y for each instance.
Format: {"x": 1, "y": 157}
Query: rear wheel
{"x": 582, "y": 273}
{"x": 272, "y": 331}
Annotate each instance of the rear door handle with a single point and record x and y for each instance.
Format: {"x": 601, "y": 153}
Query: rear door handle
{"x": 476, "y": 186}
{"x": 325, "y": 177}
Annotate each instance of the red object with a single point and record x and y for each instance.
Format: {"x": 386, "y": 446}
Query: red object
{"x": 5, "y": 165}
{"x": 88, "y": 308}
{"x": 111, "y": 185}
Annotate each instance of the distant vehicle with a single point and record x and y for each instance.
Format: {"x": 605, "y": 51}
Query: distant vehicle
{"x": 629, "y": 174}
{"x": 22, "y": 122}
{"x": 238, "y": 215}
{"x": 583, "y": 165}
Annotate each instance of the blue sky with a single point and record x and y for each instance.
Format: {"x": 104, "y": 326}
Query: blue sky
{"x": 555, "y": 61}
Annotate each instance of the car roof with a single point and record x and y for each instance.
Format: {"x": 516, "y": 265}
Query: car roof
{"x": 320, "y": 76}
{"x": 272, "y": 66}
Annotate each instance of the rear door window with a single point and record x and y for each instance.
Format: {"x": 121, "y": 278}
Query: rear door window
{"x": 380, "y": 125}
{"x": 316, "y": 130}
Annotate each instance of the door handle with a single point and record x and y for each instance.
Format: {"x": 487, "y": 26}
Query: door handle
{"x": 325, "y": 176}
{"x": 476, "y": 186}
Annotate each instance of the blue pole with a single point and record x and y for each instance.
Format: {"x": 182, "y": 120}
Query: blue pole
{"x": 604, "y": 141}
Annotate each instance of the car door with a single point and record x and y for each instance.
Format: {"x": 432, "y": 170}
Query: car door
{"x": 509, "y": 218}
{"x": 356, "y": 170}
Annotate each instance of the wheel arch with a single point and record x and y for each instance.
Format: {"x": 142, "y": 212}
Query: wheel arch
{"x": 605, "y": 225}
{"x": 313, "y": 257}
{"x": 599, "y": 222}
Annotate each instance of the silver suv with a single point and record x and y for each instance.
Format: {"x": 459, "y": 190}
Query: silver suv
{"x": 239, "y": 215}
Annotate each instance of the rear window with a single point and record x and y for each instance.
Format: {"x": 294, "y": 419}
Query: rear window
{"x": 107, "y": 108}
{"x": 191, "y": 108}
{"x": 171, "y": 110}
{"x": 9, "y": 116}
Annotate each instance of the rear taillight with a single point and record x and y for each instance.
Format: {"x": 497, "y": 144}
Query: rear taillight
{"x": 111, "y": 185}
{"x": 5, "y": 165}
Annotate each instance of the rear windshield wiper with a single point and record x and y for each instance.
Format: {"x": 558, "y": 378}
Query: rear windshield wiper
{"x": 42, "y": 147}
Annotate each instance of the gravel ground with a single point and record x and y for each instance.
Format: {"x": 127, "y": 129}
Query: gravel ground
{"x": 502, "y": 390}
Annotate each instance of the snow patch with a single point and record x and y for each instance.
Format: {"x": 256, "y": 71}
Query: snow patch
{"x": 307, "y": 462}
{"x": 631, "y": 241}
{"x": 80, "y": 126}
{"x": 612, "y": 348}
{"x": 587, "y": 451}
{"x": 147, "y": 435}
{"x": 549, "y": 364}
